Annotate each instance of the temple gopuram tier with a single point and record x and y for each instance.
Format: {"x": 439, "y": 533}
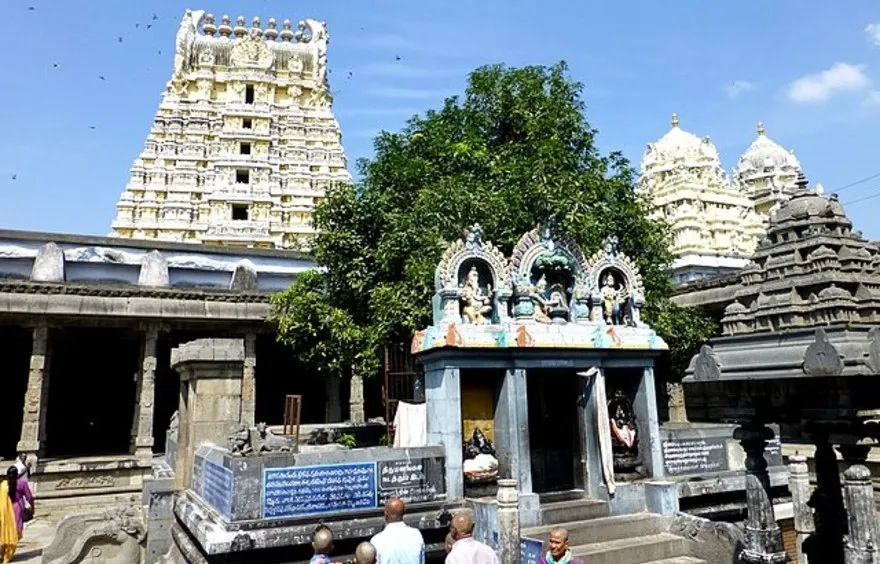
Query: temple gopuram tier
{"x": 244, "y": 144}
{"x": 801, "y": 348}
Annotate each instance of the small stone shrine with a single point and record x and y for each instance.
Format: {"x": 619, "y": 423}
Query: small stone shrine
{"x": 546, "y": 354}
{"x": 800, "y": 348}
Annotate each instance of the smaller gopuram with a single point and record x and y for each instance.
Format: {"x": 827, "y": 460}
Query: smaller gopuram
{"x": 546, "y": 355}
{"x": 801, "y": 348}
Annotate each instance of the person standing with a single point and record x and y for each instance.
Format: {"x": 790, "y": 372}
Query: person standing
{"x": 559, "y": 551}
{"x": 467, "y": 549}
{"x": 322, "y": 544}
{"x": 398, "y": 543}
{"x": 16, "y": 502}
{"x": 365, "y": 553}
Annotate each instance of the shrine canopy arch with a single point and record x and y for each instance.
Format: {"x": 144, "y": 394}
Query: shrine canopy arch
{"x": 472, "y": 252}
{"x": 609, "y": 260}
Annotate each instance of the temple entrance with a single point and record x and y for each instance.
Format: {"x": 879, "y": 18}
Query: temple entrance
{"x": 92, "y": 383}
{"x": 13, "y": 383}
{"x": 554, "y": 438}
{"x": 278, "y": 373}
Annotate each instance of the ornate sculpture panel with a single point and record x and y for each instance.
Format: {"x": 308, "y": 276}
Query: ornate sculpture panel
{"x": 617, "y": 291}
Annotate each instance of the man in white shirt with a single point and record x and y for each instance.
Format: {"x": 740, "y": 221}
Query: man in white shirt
{"x": 398, "y": 543}
{"x": 468, "y": 550}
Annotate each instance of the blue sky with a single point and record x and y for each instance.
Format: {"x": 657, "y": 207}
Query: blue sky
{"x": 809, "y": 69}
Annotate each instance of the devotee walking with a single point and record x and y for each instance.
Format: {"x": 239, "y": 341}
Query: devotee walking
{"x": 559, "y": 551}
{"x": 16, "y": 507}
{"x": 398, "y": 543}
{"x": 467, "y": 549}
{"x": 365, "y": 553}
{"x": 322, "y": 544}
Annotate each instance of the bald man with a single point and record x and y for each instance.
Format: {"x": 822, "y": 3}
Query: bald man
{"x": 322, "y": 544}
{"x": 558, "y": 549}
{"x": 365, "y": 553}
{"x": 468, "y": 550}
{"x": 398, "y": 543}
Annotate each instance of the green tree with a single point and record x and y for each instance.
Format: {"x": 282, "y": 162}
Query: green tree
{"x": 513, "y": 150}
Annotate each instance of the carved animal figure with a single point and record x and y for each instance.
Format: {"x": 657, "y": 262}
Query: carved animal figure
{"x": 270, "y": 442}
{"x": 240, "y": 442}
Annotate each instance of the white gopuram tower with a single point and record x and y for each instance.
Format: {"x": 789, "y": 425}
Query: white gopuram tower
{"x": 244, "y": 144}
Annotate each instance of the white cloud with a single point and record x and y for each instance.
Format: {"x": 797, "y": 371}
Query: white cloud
{"x": 873, "y": 33}
{"x": 737, "y": 87}
{"x": 409, "y": 93}
{"x": 820, "y": 86}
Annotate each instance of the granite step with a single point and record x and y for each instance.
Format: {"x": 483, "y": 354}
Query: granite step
{"x": 634, "y": 550}
{"x": 603, "y": 529}
{"x": 678, "y": 560}
{"x": 559, "y": 512}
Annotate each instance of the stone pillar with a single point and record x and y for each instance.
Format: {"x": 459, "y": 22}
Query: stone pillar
{"x": 763, "y": 539}
{"x": 443, "y": 406}
{"x": 249, "y": 381}
{"x": 356, "y": 400}
{"x": 799, "y": 484}
{"x": 509, "y": 551}
{"x": 211, "y": 374}
{"x": 863, "y": 540}
{"x": 142, "y": 440}
{"x": 512, "y": 430}
{"x": 826, "y": 544}
{"x": 645, "y": 408}
{"x": 676, "y": 403}
{"x": 33, "y": 425}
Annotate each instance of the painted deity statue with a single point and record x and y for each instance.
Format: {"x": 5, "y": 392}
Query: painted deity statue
{"x": 476, "y": 302}
{"x": 611, "y": 299}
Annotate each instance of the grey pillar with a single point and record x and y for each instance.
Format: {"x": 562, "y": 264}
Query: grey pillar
{"x": 146, "y": 392}
{"x": 763, "y": 539}
{"x": 645, "y": 408}
{"x": 512, "y": 430}
{"x": 509, "y": 551}
{"x": 356, "y": 400}
{"x": 799, "y": 484}
{"x": 443, "y": 406}
{"x": 249, "y": 381}
{"x": 863, "y": 541}
{"x": 33, "y": 425}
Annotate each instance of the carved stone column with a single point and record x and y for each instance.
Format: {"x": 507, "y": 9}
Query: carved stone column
{"x": 799, "y": 484}
{"x": 826, "y": 544}
{"x": 863, "y": 540}
{"x": 249, "y": 381}
{"x": 677, "y": 408}
{"x": 509, "y": 542}
{"x": 763, "y": 539}
{"x": 33, "y": 425}
{"x": 356, "y": 400}
{"x": 146, "y": 392}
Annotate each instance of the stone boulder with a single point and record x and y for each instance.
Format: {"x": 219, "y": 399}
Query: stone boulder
{"x": 114, "y": 536}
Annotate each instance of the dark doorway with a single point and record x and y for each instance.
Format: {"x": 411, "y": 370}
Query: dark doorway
{"x": 553, "y": 429}
{"x": 278, "y": 373}
{"x": 91, "y": 391}
{"x": 17, "y": 342}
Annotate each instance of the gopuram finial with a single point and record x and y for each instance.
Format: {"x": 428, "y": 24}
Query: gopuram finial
{"x": 674, "y": 120}
{"x": 760, "y": 128}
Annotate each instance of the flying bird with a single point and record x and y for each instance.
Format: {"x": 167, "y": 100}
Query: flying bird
{"x": 155, "y": 17}
{"x": 120, "y": 39}
{"x": 397, "y": 57}
{"x": 14, "y": 176}
{"x": 137, "y": 25}
{"x": 349, "y": 74}
{"x": 101, "y": 78}
{"x": 31, "y": 8}
{"x": 149, "y": 26}
{"x": 55, "y": 65}
{"x": 91, "y": 127}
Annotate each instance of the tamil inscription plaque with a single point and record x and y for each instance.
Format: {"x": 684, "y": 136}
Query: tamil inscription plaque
{"x": 217, "y": 487}
{"x": 695, "y": 456}
{"x": 413, "y": 481}
{"x": 312, "y": 490}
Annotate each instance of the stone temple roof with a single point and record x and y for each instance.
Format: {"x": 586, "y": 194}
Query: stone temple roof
{"x": 811, "y": 269}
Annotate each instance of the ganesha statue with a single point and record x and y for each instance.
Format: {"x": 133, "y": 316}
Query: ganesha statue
{"x": 476, "y": 303}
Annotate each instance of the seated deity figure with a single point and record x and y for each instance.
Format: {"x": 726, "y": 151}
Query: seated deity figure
{"x": 543, "y": 305}
{"x": 611, "y": 300}
{"x": 476, "y": 302}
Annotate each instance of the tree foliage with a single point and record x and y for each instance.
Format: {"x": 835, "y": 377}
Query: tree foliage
{"x": 513, "y": 150}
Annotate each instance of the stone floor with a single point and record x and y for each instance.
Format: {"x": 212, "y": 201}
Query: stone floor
{"x": 37, "y": 535}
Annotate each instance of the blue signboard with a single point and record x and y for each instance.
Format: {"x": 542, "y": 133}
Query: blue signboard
{"x": 217, "y": 487}
{"x": 312, "y": 490}
{"x": 530, "y": 549}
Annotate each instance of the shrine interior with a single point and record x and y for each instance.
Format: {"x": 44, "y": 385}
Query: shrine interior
{"x": 91, "y": 402}
{"x": 554, "y": 438}
{"x": 14, "y": 377}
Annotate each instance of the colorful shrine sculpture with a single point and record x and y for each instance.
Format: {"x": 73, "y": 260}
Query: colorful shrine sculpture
{"x": 548, "y": 294}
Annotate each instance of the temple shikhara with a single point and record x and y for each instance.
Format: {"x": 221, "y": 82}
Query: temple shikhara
{"x": 244, "y": 144}
{"x": 716, "y": 221}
